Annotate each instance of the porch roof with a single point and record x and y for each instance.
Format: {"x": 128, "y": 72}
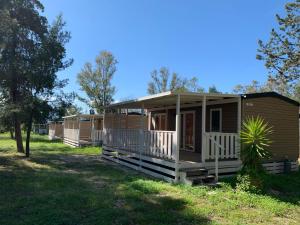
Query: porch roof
{"x": 88, "y": 116}
{"x": 166, "y": 99}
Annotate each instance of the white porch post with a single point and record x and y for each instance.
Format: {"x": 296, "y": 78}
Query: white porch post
{"x": 78, "y": 119}
{"x": 93, "y": 130}
{"x": 203, "y": 140}
{"x": 149, "y": 121}
{"x": 177, "y": 138}
{"x": 141, "y": 145}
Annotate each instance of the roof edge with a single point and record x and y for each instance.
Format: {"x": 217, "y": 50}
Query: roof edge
{"x": 270, "y": 94}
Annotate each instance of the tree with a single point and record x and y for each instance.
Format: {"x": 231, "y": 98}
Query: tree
{"x": 20, "y": 27}
{"x": 161, "y": 82}
{"x": 31, "y": 54}
{"x": 254, "y": 87}
{"x": 96, "y": 82}
{"x": 282, "y": 52}
{"x": 213, "y": 89}
{"x": 73, "y": 110}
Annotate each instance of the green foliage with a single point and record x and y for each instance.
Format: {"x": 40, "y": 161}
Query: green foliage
{"x": 32, "y": 52}
{"x": 213, "y": 89}
{"x": 281, "y": 55}
{"x": 282, "y": 52}
{"x": 96, "y": 82}
{"x": 161, "y": 82}
{"x": 255, "y": 141}
{"x": 249, "y": 183}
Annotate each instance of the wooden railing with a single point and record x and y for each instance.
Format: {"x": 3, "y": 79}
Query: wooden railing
{"x": 227, "y": 144}
{"x": 97, "y": 135}
{"x": 151, "y": 143}
{"x": 71, "y": 134}
{"x": 159, "y": 144}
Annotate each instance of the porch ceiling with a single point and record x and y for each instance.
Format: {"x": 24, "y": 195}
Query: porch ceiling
{"x": 166, "y": 99}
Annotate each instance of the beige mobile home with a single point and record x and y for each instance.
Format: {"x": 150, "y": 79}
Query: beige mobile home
{"x": 194, "y": 137}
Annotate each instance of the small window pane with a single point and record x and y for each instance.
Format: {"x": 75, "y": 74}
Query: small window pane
{"x": 216, "y": 121}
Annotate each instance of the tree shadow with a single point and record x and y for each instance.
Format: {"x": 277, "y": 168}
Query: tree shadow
{"x": 80, "y": 190}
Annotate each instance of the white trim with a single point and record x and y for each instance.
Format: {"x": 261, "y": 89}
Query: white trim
{"x": 210, "y": 119}
{"x": 216, "y": 102}
{"x": 170, "y": 94}
{"x": 177, "y": 138}
{"x": 203, "y": 130}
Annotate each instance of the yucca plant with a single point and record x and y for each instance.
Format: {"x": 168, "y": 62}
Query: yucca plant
{"x": 255, "y": 141}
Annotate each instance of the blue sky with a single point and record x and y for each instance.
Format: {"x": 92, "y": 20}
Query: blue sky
{"x": 215, "y": 41}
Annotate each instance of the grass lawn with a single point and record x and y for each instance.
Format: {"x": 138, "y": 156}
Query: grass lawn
{"x": 63, "y": 185}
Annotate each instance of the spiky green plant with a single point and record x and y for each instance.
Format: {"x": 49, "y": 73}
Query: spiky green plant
{"x": 255, "y": 141}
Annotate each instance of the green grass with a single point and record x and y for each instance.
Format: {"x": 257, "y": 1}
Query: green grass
{"x": 63, "y": 185}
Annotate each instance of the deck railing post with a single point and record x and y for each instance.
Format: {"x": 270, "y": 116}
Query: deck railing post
{"x": 216, "y": 161}
{"x": 203, "y": 140}
{"x": 177, "y": 139}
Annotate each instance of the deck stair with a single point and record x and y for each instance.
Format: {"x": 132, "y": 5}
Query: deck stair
{"x": 197, "y": 176}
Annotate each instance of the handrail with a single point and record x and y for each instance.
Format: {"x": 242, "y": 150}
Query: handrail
{"x": 217, "y": 147}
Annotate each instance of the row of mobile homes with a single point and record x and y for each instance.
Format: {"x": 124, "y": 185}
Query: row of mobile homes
{"x": 83, "y": 130}
{"x": 194, "y": 137}
{"x": 56, "y": 130}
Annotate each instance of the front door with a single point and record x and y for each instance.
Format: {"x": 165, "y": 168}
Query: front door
{"x": 187, "y": 131}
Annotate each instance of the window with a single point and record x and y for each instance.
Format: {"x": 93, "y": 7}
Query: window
{"x": 216, "y": 120}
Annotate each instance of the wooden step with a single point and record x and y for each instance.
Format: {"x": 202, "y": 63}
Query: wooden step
{"x": 196, "y": 172}
{"x": 201, "y": 180}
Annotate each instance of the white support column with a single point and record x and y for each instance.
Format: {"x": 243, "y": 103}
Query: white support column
{"x": 149, "y": 120}
{"x": 141, "y": 145}
{"x": 177, "y": 137}
{"x": 203, "y": 140}
{"x": 93, "y": 130}
{"x": 78, "y": 119}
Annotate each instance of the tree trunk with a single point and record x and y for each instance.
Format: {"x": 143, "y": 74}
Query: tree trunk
{"x": 18, "y": 134}
{"x": 11, "y": 131}
{"x": 29, "y": 127}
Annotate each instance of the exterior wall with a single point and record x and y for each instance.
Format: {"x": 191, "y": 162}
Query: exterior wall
{"x": 85, "y": 130}
{"x": 283, "y": 117}
{"x": 229, "y": 120}
{"x": 125, "y": 121}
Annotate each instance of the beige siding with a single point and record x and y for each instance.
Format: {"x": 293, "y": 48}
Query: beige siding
{"x": 283, "y": 117}
{"x": 125, "y": 121}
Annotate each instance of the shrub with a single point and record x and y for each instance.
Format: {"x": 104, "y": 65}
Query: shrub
{"x": 254, "y": 142}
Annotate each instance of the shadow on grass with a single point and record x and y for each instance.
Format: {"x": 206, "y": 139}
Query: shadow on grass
{"x": 52, "y": 189}
{"x": 283, "y": 187}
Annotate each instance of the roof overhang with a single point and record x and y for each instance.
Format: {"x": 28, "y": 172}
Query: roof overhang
{"x": 88, "y": 116}
{"x": 166, "y": 99}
